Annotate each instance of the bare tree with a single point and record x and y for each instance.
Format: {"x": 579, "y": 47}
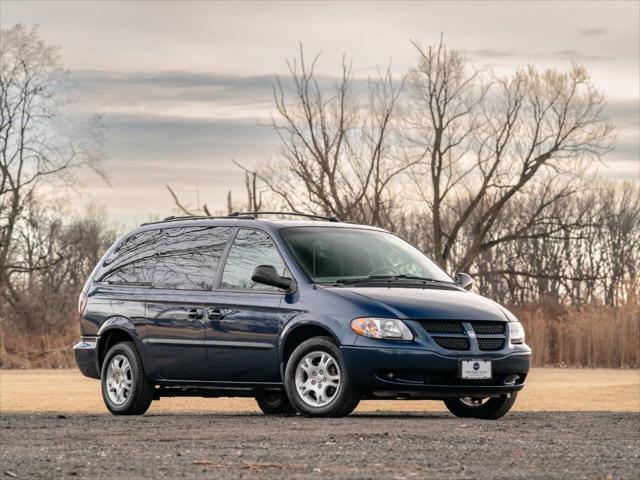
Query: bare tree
{"x": 252, "y": 187}
{"x": 33, "y": 147}
{"x": 586, "y": 251}
{"x": 254, "y": 196}
{"x": 619, "y": 238}
{"x": 187, "y": 210}
{"x": 34, "y": 150}
{"x": 59, "y": 250}
{"x": 337, "y": 156}
{"x": 488, "y": 143}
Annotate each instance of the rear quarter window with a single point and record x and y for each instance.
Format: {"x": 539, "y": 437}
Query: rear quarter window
{"x": 177, "y": 258}
{"x": 133, "y": 260}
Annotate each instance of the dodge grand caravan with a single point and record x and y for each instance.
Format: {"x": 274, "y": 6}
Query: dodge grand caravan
{"x": 306, "y": 316}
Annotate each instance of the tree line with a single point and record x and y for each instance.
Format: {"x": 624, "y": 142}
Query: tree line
{"x": 46, "y": 252}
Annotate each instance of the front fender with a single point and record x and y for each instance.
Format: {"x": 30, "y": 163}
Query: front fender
{"x": 341, "y": 334}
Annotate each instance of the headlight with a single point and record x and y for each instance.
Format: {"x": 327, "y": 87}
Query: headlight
{"x": 389, "y": 328}
{"x": 516, "y": 332}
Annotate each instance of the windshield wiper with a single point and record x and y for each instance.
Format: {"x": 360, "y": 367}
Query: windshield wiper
{"x": 374, "y": 278}
{"x": 416, "y": 277}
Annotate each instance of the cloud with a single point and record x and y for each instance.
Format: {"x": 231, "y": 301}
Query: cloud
{"x": 626, "y": 151}
{"x": 580, "y": 56}
{"x": 509, "y": 56}
{"x": 625, "y": 113}
{"x": 491, "y": 53}
{"x": 175, "y": 93}
{"x": 157, "y": 138}
{"x": 186, "y": 115}
{"x": 147, "y": 152}
{"x": 186, "y": 94}
{"x": 593, "y": 31}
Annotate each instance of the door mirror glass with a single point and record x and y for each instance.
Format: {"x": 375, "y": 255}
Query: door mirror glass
{"x": 268, "y": 275}
{"x": 464, "y": 280}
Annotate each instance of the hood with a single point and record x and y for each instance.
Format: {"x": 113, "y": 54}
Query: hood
{"x": 426, "y": 303}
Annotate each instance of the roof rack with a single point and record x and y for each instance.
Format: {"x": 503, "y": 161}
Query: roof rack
{"x": 177, "y": 218}
{"x": 294, "y": 214}
{"x": 238, "y": 216}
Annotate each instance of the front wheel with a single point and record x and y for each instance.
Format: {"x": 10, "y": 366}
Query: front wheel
{"x": 275, "y": 403}
{"x": 317, "y": 381}
{"x": 484, "y": 408}
{"x": 126, "y": 390}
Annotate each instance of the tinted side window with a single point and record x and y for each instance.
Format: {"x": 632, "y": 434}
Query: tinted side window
{"x": 133, "y": 261}
{"x": 188, "y": 257}
{"x": 250, "y": 249}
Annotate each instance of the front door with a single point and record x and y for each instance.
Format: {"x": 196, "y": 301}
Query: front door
{"x": 179, "y": 301}
{"x": 244, "y": 326}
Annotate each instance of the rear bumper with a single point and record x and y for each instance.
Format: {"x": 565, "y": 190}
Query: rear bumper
{"x": 414, "y": 373}
{"x": 86, "y": 356}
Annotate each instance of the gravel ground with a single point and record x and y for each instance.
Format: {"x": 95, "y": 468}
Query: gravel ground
{"x": 380, "y": 445}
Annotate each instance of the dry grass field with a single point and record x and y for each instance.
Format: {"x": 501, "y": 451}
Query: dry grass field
{"x": 548, "y": 389}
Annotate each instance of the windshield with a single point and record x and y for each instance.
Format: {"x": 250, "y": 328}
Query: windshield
{"x": 334, "y": 255}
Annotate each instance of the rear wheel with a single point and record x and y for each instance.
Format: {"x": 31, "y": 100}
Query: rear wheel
{"x": 126, "y": 390}
{"x": 484, "y": 408}
{"x": 275, "y": 403}
{"x": 317, "y": 382}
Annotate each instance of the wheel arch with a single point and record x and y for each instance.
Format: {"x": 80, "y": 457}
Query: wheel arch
{"x": 113, "y": 331}
{"x": 297, "y": 334}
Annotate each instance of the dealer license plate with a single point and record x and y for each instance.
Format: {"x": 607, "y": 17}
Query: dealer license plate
{"x": 475, "y": 369}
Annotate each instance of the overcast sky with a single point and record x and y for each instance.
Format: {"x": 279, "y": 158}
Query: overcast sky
{"x": 186, "y": 86}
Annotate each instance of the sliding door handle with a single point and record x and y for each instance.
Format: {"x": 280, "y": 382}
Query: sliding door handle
{"x": 216, "y": 313}
{"x": 195, "y": 314}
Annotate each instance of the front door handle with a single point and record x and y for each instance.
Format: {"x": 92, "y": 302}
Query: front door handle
{"x": 216, "y": 313}
{"x": 195, "y": 314}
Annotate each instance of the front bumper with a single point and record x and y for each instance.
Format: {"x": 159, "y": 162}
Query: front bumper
{"x": 87, "y": 356}
{"x": 414, "y": 373}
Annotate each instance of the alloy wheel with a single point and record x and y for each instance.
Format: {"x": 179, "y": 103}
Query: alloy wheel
{"x": 119, "y": 381}
{"x": 318, "y": 378}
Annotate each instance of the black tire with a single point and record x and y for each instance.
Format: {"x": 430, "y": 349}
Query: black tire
{"x": 492, "y": 409}
{"x": 346, "y": 398}
{"x": 141, "y": 394}
{"x": 275, "y": 403}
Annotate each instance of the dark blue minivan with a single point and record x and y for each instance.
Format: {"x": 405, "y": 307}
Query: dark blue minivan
{"x": 306, "y": 316}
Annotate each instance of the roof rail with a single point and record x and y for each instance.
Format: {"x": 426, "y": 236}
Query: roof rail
{"x": 177, "y": 218}
{"x": 294, "y": 214}
{"x": 238, "y": 216}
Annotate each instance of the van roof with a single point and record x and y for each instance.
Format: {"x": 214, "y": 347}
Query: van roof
{"x": 248, "y": 221}
{"x": 246, "y": 216}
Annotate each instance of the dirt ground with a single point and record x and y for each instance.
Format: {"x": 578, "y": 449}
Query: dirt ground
{"x": 567, "y": 423}
{"x": 524, "y": 445}
{"x": 547, "y": 389}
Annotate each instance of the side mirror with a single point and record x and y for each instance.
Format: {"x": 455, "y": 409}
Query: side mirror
{"x": 267, "y": 275}
{"x": 464, "y": 280}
